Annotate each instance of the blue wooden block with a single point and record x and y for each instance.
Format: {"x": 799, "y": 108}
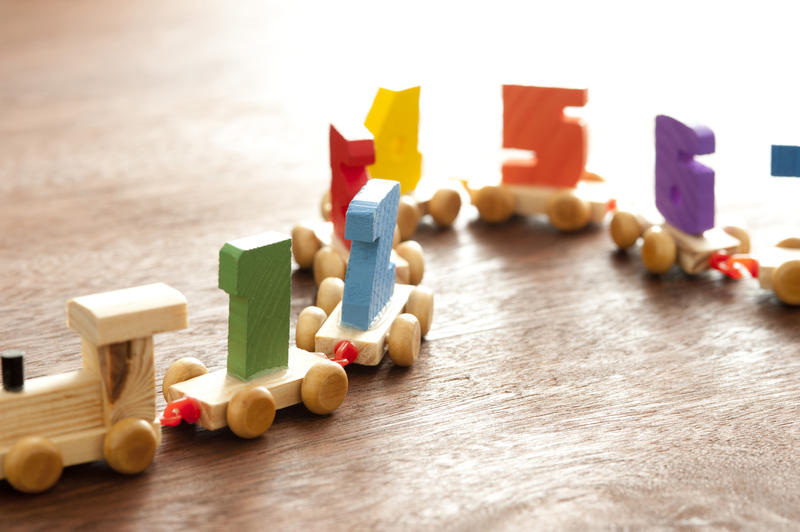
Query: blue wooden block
{"x": 785, "y": 161}
{"x": 370, "y": 277}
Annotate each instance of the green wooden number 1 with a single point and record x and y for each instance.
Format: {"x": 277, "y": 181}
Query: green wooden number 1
{"x": 256, "y": 272}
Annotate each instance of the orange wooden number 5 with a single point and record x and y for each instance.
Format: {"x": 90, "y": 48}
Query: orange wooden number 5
{"x": 533, "y": 119}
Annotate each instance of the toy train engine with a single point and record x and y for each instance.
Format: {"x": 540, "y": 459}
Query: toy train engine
{"x": 107, "y": 409}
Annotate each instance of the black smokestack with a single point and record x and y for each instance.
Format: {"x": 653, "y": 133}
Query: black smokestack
{"x": 13, "y": 370}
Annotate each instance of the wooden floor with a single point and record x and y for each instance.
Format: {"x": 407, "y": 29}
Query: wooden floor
{"x": 560, "y": 386}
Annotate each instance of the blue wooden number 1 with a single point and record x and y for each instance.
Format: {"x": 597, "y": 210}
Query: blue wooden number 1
{"x": 369, "y": 282}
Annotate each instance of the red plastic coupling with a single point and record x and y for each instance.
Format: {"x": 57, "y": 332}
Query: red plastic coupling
{"x": 733, "y": 265}
{"x": 611, "y": 205}
{"x": 345, "y": 352}
{"x": 184, "y": 409}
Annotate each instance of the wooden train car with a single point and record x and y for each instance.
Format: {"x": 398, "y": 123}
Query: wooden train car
{"x": 554, "y": 181}
{"x": 369, "y": 313}
{"x": 263, "y": 373}
{"x": 685, "y": 198}
{"x": 664, "y": 245}
{"x": 107, "y": 409}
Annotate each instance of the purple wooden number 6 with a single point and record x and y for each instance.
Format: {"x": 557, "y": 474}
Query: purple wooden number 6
{"x": 684, "y": 187}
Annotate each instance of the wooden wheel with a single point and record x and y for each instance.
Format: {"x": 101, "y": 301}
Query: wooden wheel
{"x": 741, "y": 235}
{"x": 308, "y": 323}
{"x": 325, "y": 206}
{"x": 181, "y": 370}
{"x": 304, "y": 245}
{"x": 404, "y": 340}
{"x": 328, "y": 263}
{"x": 251, "y": 412}
{"x": 658, "y": 251}
{"x": 33, "y": 465}
{"x": 324, "y": 387}
{"x": 567, "y": 212}
{"x": 408, "y": 216}
{"x": 330, "y": 293}
{"x": 789, "y": 243}
{"x": 130, "y": 446}
{"x": 625, "y": 229}
{"x": 495, "y": 204}
{"x": 786, "y": 282}
{"x": 444, "y": 206}
{"x": 420, "y": 304}
{"x": 411, "y": 251}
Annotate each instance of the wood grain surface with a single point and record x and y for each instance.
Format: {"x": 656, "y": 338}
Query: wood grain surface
{"x": 560, "y": 385}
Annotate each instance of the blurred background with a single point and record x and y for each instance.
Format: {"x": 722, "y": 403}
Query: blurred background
{"x": 232, "y": 77}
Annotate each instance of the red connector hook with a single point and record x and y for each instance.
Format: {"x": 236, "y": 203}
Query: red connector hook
{"x": 732, "y": 265}
{"x": 184, "y": 409}
{"x": 345, "y": 352}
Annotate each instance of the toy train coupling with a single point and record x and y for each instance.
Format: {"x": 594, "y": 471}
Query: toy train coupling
{"x": 733, "y": 265}
{"x": 184, "y": 409}
{"x": 611, "y": 205}
{"x": 345, "y": 353}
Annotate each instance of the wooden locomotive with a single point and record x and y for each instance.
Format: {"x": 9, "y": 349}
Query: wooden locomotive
{"x": 685, "y": 198}
{"x": 322, "y": 245}
{"x": 554, "y": 181}
{"x": 370, "y": 314}
{"x": 107, "y": 409}
{"x": 263, "y": 373}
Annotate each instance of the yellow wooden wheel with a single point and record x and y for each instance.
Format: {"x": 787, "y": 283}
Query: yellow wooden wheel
{"x": 495, "y": 204}
{"x": 251, "y": 412}
{"x": 329, "y": 294}
{"x": 786, "y": 282}
{"x": 567, "y": 212}
{"x": 308, "y": 323}
{"x": 420, "y": 304}
{"x": 328, "y": 263}
{"x": 411, "y": 251}
{"x": 305, "y": 245}
{"x": 444, "y": 206}
{"x": 324, "y": 387}
{"x": 33, "y": 465}
{"x": 130, "y": 446}
{"x": 408, "y": 216}
{"x": 404, "y": 340}
{"x": 625, "y": 229}
{"x": 181, "y": 370}
{"x": 658, "y": 250}
{"x": 789, "y": 243}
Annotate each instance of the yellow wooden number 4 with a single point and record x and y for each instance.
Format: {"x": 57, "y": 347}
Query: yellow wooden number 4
{"x": 394, "y": 122}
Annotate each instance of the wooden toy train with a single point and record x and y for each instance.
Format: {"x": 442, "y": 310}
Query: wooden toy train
{"x": 107, "y": 409}
{"x": 263, "y": 373}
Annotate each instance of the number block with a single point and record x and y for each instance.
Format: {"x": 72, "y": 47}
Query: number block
{"x": 533, "y": 119}
{"x": 394, "y": 121}
{"x": 785, "y": 161}
{"x": 369, "y": 281}
{"x": 256, "y": 272}
{"x": 349, "y": 161}
{"x": 684, "y": 187}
